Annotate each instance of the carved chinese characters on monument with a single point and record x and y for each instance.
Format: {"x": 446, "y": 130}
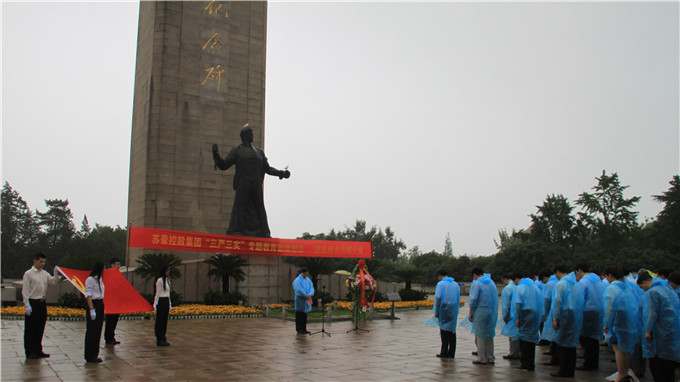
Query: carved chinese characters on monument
{"x": 214, "y": 43}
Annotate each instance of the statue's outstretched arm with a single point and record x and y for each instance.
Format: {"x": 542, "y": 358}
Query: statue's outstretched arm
{"x": 220, "y": 163}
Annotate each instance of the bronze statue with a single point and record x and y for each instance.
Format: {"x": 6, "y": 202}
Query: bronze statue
{"x": 248, "y": 216}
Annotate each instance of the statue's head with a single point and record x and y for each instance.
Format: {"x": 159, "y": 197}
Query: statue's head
{"x": 247, "y": 134}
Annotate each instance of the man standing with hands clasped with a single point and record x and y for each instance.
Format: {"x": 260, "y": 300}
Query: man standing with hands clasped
{"x": 34, "y": 292}
{"x": 446, "y": 307}
{"x": 304, "y": 290}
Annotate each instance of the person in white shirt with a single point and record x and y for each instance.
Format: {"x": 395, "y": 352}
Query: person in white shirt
{"x": 162, "y": 305}
{"x": 34, "y": 291}
{"x": 94, "y": 293}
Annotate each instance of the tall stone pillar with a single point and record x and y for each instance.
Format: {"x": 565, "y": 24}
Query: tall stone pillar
{"x": 200, "y": 77}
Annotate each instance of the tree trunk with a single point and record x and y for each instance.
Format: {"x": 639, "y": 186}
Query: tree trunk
{"x": 225, "y": 284}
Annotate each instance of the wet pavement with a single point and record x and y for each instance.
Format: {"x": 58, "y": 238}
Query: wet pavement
{"x": 268, "y": 349}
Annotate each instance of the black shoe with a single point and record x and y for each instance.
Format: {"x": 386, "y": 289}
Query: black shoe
{"x": 510, "y": 357}
{"x": 558, "y": 375}
{"x": 32, "y": 356}
{"x": 584, "y": 368}
{"x": 522, "y": 368}
{"x": 162, "y": 344}
{"x": 474, "y": 353}
{"x": 97, "y": 360}
{"x": 547, "y": 353}
{"x": 549, "y": 364}
{"x": 43, "y": 355}
{"x": 114, "y": 342}
{"x": 442, "y": 356}
{"x": 478, "y": 363}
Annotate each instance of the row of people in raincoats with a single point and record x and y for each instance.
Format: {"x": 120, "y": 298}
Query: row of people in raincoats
{"x": 578, "y": 308}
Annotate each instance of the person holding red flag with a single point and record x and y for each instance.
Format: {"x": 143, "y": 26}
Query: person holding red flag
{"x": 34, "y": 291}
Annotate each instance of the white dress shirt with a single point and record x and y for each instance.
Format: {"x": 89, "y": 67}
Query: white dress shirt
{"x": 160, "y": 291}
{"x": 35, "y": 284}
{"x": 94, "y": 288}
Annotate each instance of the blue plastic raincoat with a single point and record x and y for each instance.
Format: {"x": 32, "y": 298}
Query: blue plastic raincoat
{"x": 302, "y": 286}
{"x": 593, "y": 309}
{"x": 446, "y": 303}
{"x": 621, "y": 315}
{"x": 548, "y": 295}
{"x": 506, "y": 306}
{"x": 484, "y": 307}
{"x": 567, "y": 309}
{"x": 527, "y": 307}
{"x": 661, "y": 315}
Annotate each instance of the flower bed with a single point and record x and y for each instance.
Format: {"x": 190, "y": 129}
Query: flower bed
{"x": 177, "y": 312}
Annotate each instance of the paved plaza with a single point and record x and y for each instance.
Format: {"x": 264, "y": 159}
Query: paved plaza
{"x": 268, "y": 349}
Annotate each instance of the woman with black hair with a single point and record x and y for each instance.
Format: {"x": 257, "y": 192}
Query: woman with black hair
{"x": 94, "y": 293}
{"x": 162, "y": 305}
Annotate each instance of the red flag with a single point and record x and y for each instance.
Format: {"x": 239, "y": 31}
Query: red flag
{"x": 119, "y": 296}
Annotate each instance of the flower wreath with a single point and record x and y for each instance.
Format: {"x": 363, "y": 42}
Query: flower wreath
{"x": 358, "y": 283}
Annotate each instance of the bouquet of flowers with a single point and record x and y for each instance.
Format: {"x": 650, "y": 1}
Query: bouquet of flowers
{"x": 360, "y": 284}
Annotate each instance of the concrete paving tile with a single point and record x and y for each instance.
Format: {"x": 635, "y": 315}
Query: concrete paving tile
{"x": 269, "y": 350}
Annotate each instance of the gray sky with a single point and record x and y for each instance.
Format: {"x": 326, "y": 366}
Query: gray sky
{"x": 430, "y": 118}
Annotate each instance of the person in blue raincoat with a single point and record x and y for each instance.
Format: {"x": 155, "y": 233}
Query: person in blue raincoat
{"x": 621, "y": 318}
{"x": 661, "y": 327}
{"x": 506, "y": 299}
{"x": 674, "y": 282}
{"x": 446, "y": 306}
{"x": 304, "y": 290}
{"x": 564, "y": 322}
{"x": 593, "y": 312}
{"x": 526, "y": 315}
{"x": 483, "y": 315}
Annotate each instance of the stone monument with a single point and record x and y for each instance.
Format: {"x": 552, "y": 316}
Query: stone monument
{"x": 200, "y": 71}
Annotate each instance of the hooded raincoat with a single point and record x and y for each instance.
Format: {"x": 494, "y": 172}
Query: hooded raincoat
{"x": 567, "y": 309}
{"x": 527, "y": 307}
{"x": 661, "y": 317}
{"x": 447, "y": 303}
{"x": 593, "y": 310}
{"x": 484, "y": 307}
{"x": 548, "y": 295}
{"x": 621, "y": 315}
{"x": 506, "y": 307}
{"x": 302, "y": 286}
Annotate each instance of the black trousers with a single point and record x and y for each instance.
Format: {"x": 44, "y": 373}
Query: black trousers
{"x": 567, "y": 361}
{"x": 110, "y": 327}
{"x": 93, "y": 334}
{"x": 591, "y": 352}
{"x": 448, "y": 343}
{"x": 528, "y": 355}
{"x": 300, "y": 322}
{"x": 663, "y": 370}
{"x": 162, "y": 313}
{"x": 554, "y": 353}
{"x": 34, "y": 327}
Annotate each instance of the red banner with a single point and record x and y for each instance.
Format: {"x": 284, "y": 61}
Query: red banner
{"x": 152, "y": 238}
{"x": 119, "y": 296}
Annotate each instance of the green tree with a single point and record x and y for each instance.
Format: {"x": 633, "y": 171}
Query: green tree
{"x": 668, "y": 220}
{"x": 57, "y": 223}
{"x": 316, "y": 265}
{"x": 407, "y": 273}
{"x": 150, "y": 265}
{"x": 606, "y": 208}
{"x": 226, "y": 266}
{"x": 84, "y": 228}
{"x": 385, "y": 244}
{"x": 18, "y": 233}
{"x": 448, "y": 246}
{"x": 609, "y": 218}
{"x": 553, "y": 222}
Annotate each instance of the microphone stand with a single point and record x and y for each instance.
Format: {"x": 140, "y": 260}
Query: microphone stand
{"x": 355, "y": 316}
{"x": 323, "y": 318}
